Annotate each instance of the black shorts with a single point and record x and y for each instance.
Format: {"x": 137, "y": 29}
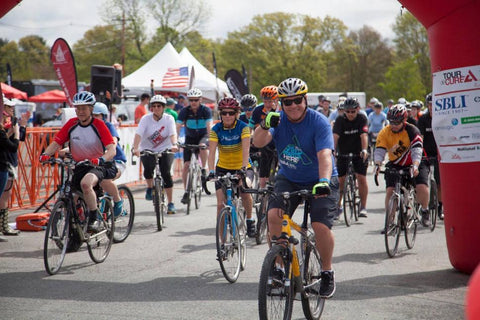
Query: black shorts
{"x": 322, "y": 209}
{"x": 422, "y": 177}
{"x": 166, "y": 161}
{"x": 106, "y": 171}
{"x": 221, "y": 172}
{"x": 267, "y": 156}
{"x": 187, "y": 153}
{"x": 436, "y": 167}
{"x": 359, "y": 166}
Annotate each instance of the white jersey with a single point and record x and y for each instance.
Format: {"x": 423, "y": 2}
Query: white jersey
{"x": 156, "y": 134}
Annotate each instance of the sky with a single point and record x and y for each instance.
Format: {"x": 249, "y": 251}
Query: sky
{"x": 52, "y": 19}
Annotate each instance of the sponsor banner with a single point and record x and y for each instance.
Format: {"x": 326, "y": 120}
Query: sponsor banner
{"x": 132, "y": 172}
{"x": 236, "y": 84}
{"x": 64, "y": 65}
{"x": 456, "y": 114}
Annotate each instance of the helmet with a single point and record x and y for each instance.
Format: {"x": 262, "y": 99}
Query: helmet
{"x": 269, "y": 92}
{"x": 194, "y": 93}
{"x": 292, "y": 87}
{"x": 350, "y": 103}
{"x": 390, "y": 101}
{"x": 158, "y": 99}
{"x": 402, "y": 101}
{"x": 228, "y": 103}
{"x": 428, "y": 98}
{"x": 100, "y": 108}
{"x": 248, "y": 101}
{"x": 84, "y": 97}
{"x": 374, "y": 100}
{"x": 341, "y": 105}
{"x": 378, "y": 105}
{"x": 397, "y": 112}
{"x": 416, "y": 104}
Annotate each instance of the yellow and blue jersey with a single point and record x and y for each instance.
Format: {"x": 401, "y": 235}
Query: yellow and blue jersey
{"x": 230, "y": 144}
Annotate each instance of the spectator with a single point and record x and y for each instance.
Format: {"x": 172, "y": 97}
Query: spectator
{"x": 141, "y": 110}
{"x": 169, "y": 109}
{"x": 182, "y": 102}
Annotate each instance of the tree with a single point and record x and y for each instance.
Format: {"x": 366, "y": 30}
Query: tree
{"x": 403, "y": 80}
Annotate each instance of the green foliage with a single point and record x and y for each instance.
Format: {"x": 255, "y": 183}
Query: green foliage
{"x": 403, "y": 80}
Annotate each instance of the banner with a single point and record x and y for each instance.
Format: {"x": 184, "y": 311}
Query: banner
{"x": 64, "y": 65}
{"x": 1, "y": 105}
{"x": 9, "y": 75}
{"x": 456, "y": 114}
{"x": 245, "y": 78}
{"x": 236, "y": 84}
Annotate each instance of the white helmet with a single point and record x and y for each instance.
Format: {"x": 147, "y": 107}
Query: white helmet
{"x": 194, "y": 93}
{"x": 84, "y": 97}
{"x": 158, "y": 99}
{"x": 100, "y": 108}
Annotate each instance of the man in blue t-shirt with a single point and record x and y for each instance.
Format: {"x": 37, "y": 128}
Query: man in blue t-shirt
{"x": 304, "y": 142}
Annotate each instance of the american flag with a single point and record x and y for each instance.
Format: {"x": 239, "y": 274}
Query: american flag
{"x": 176, "y": 78}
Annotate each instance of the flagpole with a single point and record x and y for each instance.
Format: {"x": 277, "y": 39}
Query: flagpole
{"x": 216, "y": 78}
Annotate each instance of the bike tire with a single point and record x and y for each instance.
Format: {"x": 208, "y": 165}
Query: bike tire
{"x": 75, "y": 239}
{"x": 198, "y": 188}
{"x": 242, "y": 229}
{"x": 312, "y": 303}
{"x": 124, "y": 222}
{"x": 409, "y": 222}
{"x": 56, "y": 237}
{"x": 100, "y": 243}
{"x": 433, "y": 204}
{"x": 157, "y": 205}
{"x": 348, "y": 204}
{"x": 355, "y": 197}
{"x": 392, "y": 226}
{"x": 189, "y": 191}
{"x": 228, "y": 245}
{"x": 262, "y": 218}
{"x": 276, "y": 294}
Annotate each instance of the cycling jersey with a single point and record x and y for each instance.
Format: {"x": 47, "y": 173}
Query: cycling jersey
{"x": 156, "y": 133}
{"x": 425, "y": 126}
{"x": 195, "y": 123}
{"x": 120, "y": 155}
{"x": 243, "y": 118}
{"x": 399, "y": 145}
{"x": 349, "y": 133}
{"x": 376, "y": 121}
{"x": 230, "y": 144}
{"x": 86, "y": 142}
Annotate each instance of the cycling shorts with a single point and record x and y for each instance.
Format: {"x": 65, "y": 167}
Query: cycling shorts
{"x": 221, "y": 172}
{"x": 422, "y": 177}
{"x": 359, "y": 166}
{"x": 166, "y": 161}
{"x": 265, "y": 164}
{"x": 106, "y": 171}
{"x": 187, "y": 153}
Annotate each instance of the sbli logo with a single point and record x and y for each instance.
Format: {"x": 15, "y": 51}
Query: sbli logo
{"x": 448, "y": 103}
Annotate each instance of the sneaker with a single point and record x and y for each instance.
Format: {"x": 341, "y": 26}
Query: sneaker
{"x": 362, "y": 213}
{"x": 327, "y": 287}
{"x": 118, "y": 208}
{"x": 338, "y": 214}
{"x": 93, "y": 225}
{"x": 148, "y": 194}
{"x": 251, "y": 231}
{"x": 204, "y": 182}
{"x": 171, "y": 208}
{"x": 278, "y": 277}
{"x": 184, "y": 198}
{"x": 425, "y": 218}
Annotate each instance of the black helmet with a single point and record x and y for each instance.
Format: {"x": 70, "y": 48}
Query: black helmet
{"x": 248, "y": 101}
{"x": 350, "y": 103}
{"x": 428, "y": 98}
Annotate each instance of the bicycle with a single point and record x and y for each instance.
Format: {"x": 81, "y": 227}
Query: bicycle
{"x": 194, "y": 176}
{"x": 402, "y": 214}
{"x": 284, "y": 272}
{"x": 68, "y": 222}
{"x": 351, "y": 197}
{"x": 158, "y": 194}
{"x": 261, "y": 207}
{"x": 433, "y": 191}
{"x": 124, "y": 221}
{"x": 372, "y": 142}
{"x": 231, "y": 229}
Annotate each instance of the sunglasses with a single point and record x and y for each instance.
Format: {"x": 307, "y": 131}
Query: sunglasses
{"x": 229, "y": 113}
{"x": 289, "y": 102}
{"x": 193, "y": 100}
{"x": 157, "y": 105}
{"x": 350, "y": 111}
{"x": 396, "y": 123}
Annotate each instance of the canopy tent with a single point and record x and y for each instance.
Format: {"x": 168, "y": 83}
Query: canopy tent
{"x": 11, "y": 92}
{"x": 53, "y": 96}
{"x": 155, "y": 69}
{"x": 204, "y": 79}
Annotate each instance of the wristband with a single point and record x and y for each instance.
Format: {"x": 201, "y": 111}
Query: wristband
{"x": 324, "y": 180}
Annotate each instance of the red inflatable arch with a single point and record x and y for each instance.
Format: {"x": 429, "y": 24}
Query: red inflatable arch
{"x": 454, "y": 34}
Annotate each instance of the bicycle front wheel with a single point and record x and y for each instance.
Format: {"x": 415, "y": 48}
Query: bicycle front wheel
{"x": 312, "y": 303}
{"x": 56, "y": 237}
{"x": 99, "y": 243}
{"x": 197, "y": 187}
{"x": 242, "y": 229}
{"x": 409, "y": 220}
{"x": 228, "y": 245}
{"x": 261, "y": 219}
{"x": 348, "y": 202}
{"x": 124, "y": 222}
{"x": 392, "y": 226}
{"x": 275, "y": 288}
{"x": 158, "y": 204}
{"x": 189, "y": 190}
{"x": 433, "y": 204}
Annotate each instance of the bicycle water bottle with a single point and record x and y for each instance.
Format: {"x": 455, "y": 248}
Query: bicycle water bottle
{"x": 80, "y": 212}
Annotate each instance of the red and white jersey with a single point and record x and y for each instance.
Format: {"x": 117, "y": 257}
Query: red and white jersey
{"x": 86, "y": 142}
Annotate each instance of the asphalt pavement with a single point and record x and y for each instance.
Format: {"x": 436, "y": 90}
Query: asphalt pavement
{"x": 173, "y": 274}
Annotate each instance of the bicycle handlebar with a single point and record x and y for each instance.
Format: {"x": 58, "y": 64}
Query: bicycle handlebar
{"x": 191, "y": 146}
{"x": 394, "y": 171}
{"x": 147, "y": 152}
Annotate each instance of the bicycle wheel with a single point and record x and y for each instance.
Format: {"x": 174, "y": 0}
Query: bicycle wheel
{"x": 124, "y": 222}
{"x": 275, "y": 288}
{"x": 409, "y": 221}
{"x": 348, "y": 202}
{"x": 99, "y": 243}
{"x": 157, "y": 203}
{"x": 262, "y": 219}
{"x": 433, "y": 204}
{"x": 355, "y": 197}
{"x": 197, "y": 187}
{"x": 189, "y": 189}
{"x": 228, "y": 245}
{"x": 75, "y": 238}
{"x": 392, "y": 226}
{"x": 56, "y": 237}
{"x": 242, "y": 230}
{"x": 312, "y": 304}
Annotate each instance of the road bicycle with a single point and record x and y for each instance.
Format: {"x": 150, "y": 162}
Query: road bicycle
{"x": 124, "y": 221}
{"x": 194, "y": 176}
{"x": 261, "y": 208}
{"x": 158, "y": 194}
{"x": 231, "y": 229}
{"x": 291, "y": 266}
{"x": 68, "y": 222}
{"x": 402, "y": 213}
{"x": 433, "y": 191}
{"x": 351, "y": 197}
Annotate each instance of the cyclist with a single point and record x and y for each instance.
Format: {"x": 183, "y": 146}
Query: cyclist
{"x": 416, "y": 112}
{"x": 376, "y": 121}
{"x": 370, "y": 106}
{"x": 350, "y": 135}
{"x": 100, "y": 111}
{"x": 403, "y": 143}
{"x": 156, "y": 132}
{"x": 248, "y": 103}
{"x": 430, "y": 147}
{"x": 88, "y": 138}
{"x": 269, "y": 95}
{"x": 410, "y": 118}
{"x": 338, "y": 111}
{"x": 197, "y": 119}
{"x": 304, "y": 143}
{"x": 232, "y": 137}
